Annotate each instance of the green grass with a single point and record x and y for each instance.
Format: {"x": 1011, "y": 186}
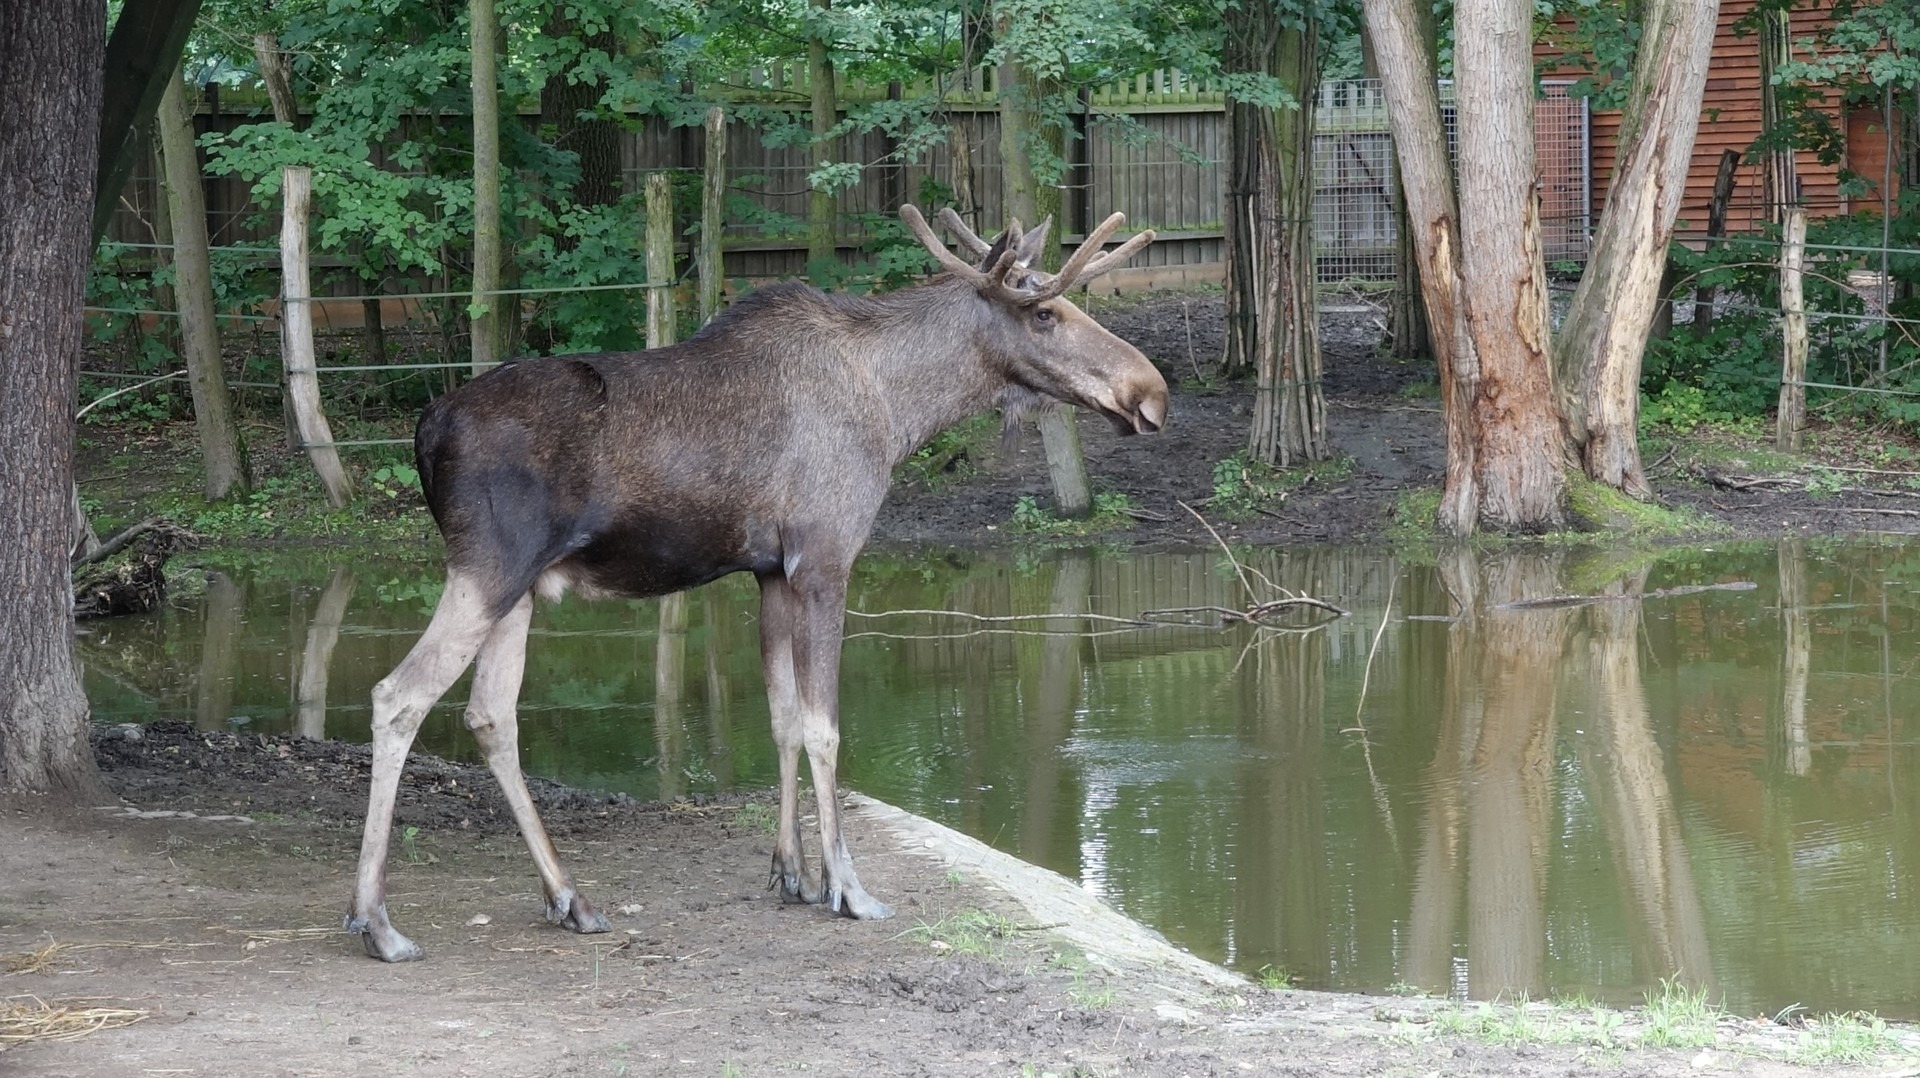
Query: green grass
{"x": 756, "y": 817}
{"x": 952, "y": 456}
{"x": 1680, "y": 1017}
{"x": 1273, "y": 978}
{"x": 1111, "y": 509}
{"x": 967, "y": 931}
{"x": 1243, "y": 487}
{"x": 1846, "y": 1038}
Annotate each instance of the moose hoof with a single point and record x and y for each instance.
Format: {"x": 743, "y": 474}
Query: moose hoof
{"x": 571, "y": 911}
{"x": 858, "y": 904}
{"x": 382, "y": 940}
{"x": 794, "y": 886}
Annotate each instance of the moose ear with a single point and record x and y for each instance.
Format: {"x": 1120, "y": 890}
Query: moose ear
{"x": 1000, "y": 245}
{"x": 1034, "y": 243}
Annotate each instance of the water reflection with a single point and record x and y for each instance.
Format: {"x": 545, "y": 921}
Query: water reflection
{"x": 1458, "y": 789}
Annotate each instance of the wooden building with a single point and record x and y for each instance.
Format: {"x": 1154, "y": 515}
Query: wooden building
{"x": 1730, "y": 120}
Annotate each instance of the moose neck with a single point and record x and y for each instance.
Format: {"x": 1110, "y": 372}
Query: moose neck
{"x": 921, "y": 349}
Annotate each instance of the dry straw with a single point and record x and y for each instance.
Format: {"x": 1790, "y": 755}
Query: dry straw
{"x": 26, "y": 1019}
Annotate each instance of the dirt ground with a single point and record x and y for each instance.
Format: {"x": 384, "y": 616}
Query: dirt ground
{"x": 221, "y": 928}
{"x": 210, "y": 902}
{"x": 1383, "y": 416}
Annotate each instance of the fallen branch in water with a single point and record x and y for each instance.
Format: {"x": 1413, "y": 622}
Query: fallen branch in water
{"x": 1253, "y": 615}
{"x": 1663, "y": 593}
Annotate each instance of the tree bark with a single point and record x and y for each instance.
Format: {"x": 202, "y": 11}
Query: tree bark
{"x": 1481, "y": 271}
{"x": 142, "y": 54}
{"x": 277, "y": 74}
{"x": 1519, "y": 457}
{"x": 566, "y": 102}
{"x": 223, "y": 456}
{"x": 51, "y": 79}
{"x": 1780, "y": 178}
{"x": 822, "y": 249}
{"x": 1026, "y": 198}
{"x": 296, "y": 331}
{"x": 1601, "y": 343}
{"x": 1273, "y": 325}
{"x": 485, "y": 308}
{"x": 1706, "y": 295}
{"x": 713, "y": 215}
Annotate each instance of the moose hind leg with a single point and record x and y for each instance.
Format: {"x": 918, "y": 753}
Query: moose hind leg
{"x": 400, "y": 702}
{"x": 492, "y": 717}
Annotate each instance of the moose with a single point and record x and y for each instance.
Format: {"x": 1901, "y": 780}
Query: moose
{"x": 763, "y": 444}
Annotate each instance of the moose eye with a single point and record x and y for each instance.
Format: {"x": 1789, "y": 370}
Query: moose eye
{"x": 1043, "y": 317}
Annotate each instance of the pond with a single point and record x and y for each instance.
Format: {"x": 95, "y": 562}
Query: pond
{"x": 1443, "y": 790}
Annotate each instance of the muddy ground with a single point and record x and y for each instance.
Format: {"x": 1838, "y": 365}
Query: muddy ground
{"x": 221, "y": 928}
{"x": 1383, "y": 416}
{"x": 209, "y": 900}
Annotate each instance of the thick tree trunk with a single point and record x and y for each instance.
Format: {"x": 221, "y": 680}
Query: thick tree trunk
{"x": 50, "y": 77}
{"x": 1519, "y": 457}
{"x": 1273, "y": 321}
{"x": 486, "y": 188}
{"x": 1603, "y": 339}
{"x": 222, "y": 454}
{"x": 1398, "y": 29}
{"x": 567, "y": 102}
{"x": 1025, "y": 195}
{"x": 822, "y": 249}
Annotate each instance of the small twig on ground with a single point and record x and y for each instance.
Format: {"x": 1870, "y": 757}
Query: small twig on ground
{"x": 1872, "y": 510}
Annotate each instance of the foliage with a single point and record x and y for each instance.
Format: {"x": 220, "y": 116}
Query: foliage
{"x": 1243, "y": 486}
{"x": 1111, "y": 509}
{"x": 950, "y": 456}
{"x": 1680, "y": 1017}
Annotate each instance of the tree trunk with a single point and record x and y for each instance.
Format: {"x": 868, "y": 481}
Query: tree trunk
{"x": 1026, "y": 197}
{"x": 485, "y": 308}
{"x": 296, "y": 332}
{"x": 1706, "y": 295}
{"x": 50, "y": 76}
{"x": 142, "y": 54}
{"x": 277, "y": 73}
{"x": 1273, "y": 326}
{"x": 822, "y": 249}
{"x": 1601, "y": 344}
{"x": 564, "y": 100}
{"x": 222, "y": 454}
{"x": 1781, "y": 180}
{"x": 1481, "y": 272}
{"x": 1519, "y": 456}
{"x": 713, "y": 215}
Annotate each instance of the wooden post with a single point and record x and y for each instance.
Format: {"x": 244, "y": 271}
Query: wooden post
{"x": 1705, "y": 296}
{"x": 1793, "y": 333}
{"x": 660, "y": 330}
{"x": 296, "y": 336}
{"x": 485, "y": 307}
{"x": 713, "y": 216}
{"x": 670, "y": 658}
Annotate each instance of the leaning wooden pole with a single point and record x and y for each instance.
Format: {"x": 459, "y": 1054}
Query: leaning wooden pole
{"x": 1793, "y": 332}
{"x": 296, "y": 336}
{"x": 713, "y": 215}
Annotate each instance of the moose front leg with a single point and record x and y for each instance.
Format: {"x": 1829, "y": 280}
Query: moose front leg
{"x": 778, "y": 609}
{"x": 818, "y": 626}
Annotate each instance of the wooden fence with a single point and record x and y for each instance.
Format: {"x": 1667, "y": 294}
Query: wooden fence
{"x": 1151, "y": 146}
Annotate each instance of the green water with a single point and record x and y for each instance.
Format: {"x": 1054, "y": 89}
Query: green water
{"x": 1438, "y": 791}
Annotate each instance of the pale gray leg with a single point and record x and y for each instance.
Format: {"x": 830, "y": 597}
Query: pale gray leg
{"x": 777, "y": 611}
{"x": 492, "y": 716}
{"x": 818, "y": 627}
{"x": 400, "y": 702}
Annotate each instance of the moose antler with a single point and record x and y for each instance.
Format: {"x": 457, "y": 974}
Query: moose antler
{"x": 1088, "y": 261}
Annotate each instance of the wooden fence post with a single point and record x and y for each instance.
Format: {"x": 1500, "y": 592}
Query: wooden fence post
{"x": 1793, "y": 333}
{"x": 296, "y": 336}
{"x": 713, "y": 216}
{"x": 660, "y": 328}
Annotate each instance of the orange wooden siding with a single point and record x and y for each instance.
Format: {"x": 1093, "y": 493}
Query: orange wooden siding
{"x": 1730, "y": 120}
